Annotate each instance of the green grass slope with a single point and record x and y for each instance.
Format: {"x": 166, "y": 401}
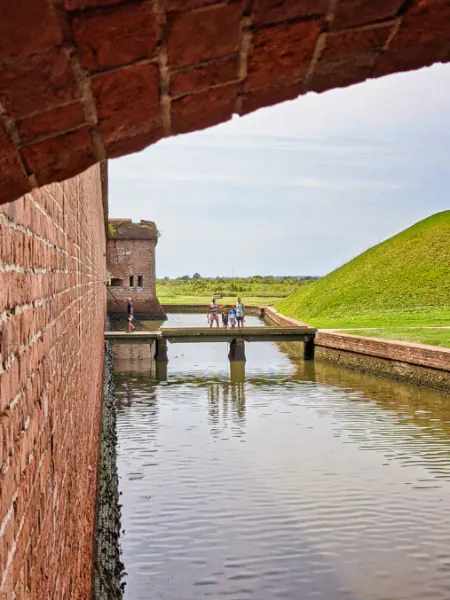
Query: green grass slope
{"x": 402, "y": 281}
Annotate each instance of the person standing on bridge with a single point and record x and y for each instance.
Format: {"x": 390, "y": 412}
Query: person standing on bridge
{"x": 212, "y": 313}
{"x": 240, "y": 313}
{"x": 225, "y": 317}
{"x": 130, "y": 316}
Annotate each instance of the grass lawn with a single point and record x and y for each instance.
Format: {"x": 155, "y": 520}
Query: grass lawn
{"x": 392, "y": 319}
{"x": 404, "y": 281}
{"x": 433, "y": 337}
{"x": 231, "y": 300}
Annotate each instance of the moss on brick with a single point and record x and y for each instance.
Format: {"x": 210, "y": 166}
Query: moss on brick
{"x": 114, "y": 228}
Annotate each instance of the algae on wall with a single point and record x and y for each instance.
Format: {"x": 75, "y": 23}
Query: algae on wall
{"x": 108, "y": 568}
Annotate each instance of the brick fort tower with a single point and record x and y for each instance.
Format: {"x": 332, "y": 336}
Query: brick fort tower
{"x": 131, "y": 269}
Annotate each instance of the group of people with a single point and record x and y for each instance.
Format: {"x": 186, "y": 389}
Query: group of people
{"x": 233, "y": 316}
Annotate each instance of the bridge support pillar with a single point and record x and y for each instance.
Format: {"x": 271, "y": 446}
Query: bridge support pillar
{"x": 161, "y": 371}
{"x": 237, "y": 350}
{"x": 161, "y": 355}
{"x": 308, "y": 349}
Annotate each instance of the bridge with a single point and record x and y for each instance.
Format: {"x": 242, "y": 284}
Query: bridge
{"x": 235, "y": 337}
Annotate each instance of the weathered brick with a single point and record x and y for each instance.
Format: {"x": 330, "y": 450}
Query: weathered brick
{"x": 355, "y": 41}
{"x": 54, "y": 158}
{"x": 184, "y": 5}
{"x": 13, "y": 179}
{"x": 58, "y": 119}
{"x": 215, "y": 30}
{"x": 82, "y": 4}
{"x": 422, "y": 39}
{"x": 36, "y": 83}
{"x": 204, "y": 109}
{"x": 281, "y": 54}
{"x": 276, "y": 11}
{"x": 19, "y": 33}
{"x": 42, "y": 462}
{"x": 115, "y": 36}
{"x": 343, "y": 72}
{"x": 350, "y": 13}
{"x": 127, "y": 102}
{"x": 269, "y": 97}
{"x": 219, "y": 71}
{"x": 136, "y": 143}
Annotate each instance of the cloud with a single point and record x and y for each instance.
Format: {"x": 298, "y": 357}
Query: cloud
{"x": 297, "y": 188}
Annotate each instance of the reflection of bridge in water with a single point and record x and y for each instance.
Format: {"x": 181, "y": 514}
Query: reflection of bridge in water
{"x": 235, "y": 337}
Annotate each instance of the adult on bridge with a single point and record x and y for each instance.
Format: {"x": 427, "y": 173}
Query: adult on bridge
{"x": 240, "y": 313}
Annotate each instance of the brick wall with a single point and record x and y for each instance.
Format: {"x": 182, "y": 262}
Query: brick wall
{"x": 405, "y": 352}
{"x": 133, "y": 257}
{"x": 52, "y": 313}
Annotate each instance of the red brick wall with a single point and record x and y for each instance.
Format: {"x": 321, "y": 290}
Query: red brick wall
{"x": 133, "y": 257}
{"x": 406, "y": 352}
{"x": 52, "y": 313}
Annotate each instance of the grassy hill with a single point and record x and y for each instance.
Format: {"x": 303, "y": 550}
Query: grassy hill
{"x": 404, "y": 281}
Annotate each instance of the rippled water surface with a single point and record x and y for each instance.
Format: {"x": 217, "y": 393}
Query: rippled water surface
{"x": 303, "y": 481}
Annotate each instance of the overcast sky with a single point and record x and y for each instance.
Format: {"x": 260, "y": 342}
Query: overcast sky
{"x": 299, "y": 188}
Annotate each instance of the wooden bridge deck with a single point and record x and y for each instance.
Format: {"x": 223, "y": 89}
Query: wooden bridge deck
{"x": 206, "y": 334}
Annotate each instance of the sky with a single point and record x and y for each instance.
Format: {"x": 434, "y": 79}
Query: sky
{"x": 295, "y": 189}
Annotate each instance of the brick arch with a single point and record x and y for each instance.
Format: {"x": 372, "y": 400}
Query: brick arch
{"x": 83, "y": 80}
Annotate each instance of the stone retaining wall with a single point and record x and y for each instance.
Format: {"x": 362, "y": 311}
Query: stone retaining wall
{"x": 404, "y": 361}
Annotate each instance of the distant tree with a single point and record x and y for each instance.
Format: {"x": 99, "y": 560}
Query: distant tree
{"x": 196, "y": 276}
{"x": 185, "y": 278}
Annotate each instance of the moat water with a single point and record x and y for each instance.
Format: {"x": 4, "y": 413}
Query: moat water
{"x": 304, "y": 481}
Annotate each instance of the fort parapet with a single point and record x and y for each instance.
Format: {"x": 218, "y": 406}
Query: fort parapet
{"x": 131, "y": 268}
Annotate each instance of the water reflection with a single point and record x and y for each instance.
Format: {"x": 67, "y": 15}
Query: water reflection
{"x": 299, "y": 481}
{"x": 237, "y": 370}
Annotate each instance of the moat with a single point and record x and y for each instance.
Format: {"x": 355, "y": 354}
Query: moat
{"x": 305, "y": 480}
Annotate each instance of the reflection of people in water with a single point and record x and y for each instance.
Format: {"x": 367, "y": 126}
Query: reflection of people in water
{"x": 238, "y": 398}
{"x": 214, "y": 406}
{"x": 129, "y": 393}
{"x": 226, "y": 407}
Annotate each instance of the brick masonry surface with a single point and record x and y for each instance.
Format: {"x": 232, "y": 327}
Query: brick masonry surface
{"x": 52, "y": 318}
{"x": 405, "y": 352}
{"x": 103, "y": 78}
{"x": 131, "y": 251}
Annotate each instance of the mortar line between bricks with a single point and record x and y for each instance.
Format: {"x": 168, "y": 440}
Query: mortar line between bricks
{"x": 30, "y": 233}
{"x": 165, "y": 101}
{"x": 10, "y": 127}
{"x": 19, "y": 531}
{"x": 82, "y": 79}
{"x": 44, "y": 393}
{"x": 53, "y": 298}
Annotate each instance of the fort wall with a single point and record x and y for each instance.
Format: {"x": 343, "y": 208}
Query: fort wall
{"x": 131, "y": 268}
{"x": 52, "y": 318}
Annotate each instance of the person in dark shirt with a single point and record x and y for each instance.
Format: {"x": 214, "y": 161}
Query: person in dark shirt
{"x": 225, "y": 317}
{"x": 130, "y": 316}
